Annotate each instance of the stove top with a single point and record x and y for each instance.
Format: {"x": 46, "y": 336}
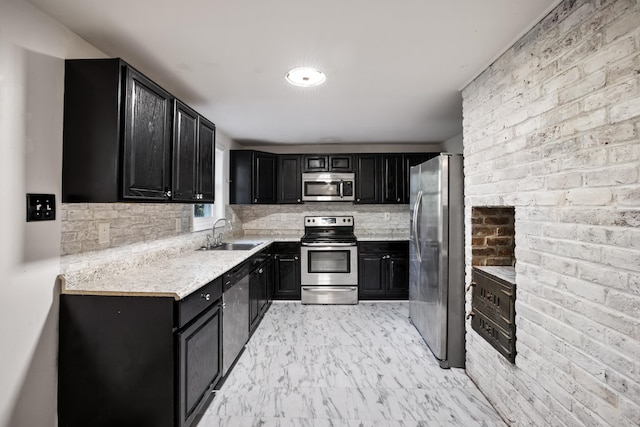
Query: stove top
{"x": 328, "y": 229}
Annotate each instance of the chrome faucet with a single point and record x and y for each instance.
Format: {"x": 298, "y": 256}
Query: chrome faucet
{"x": 217, "y": 241}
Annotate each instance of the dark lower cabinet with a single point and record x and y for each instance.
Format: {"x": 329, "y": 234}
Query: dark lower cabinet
{"x": 286, "y": 270}
{"x": 199, "y": 363}
{"x": 383, "y": 270}
{"x": 138, "y": 361}
{"x": 260, "y": 288}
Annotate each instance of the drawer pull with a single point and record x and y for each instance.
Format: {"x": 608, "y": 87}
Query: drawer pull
{"x": 472, "y": 284}
{"x": 207, "y": 296}
{"x": 471, "y": 314}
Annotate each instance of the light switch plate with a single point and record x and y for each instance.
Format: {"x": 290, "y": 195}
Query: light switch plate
{"x": 41, "y": 207}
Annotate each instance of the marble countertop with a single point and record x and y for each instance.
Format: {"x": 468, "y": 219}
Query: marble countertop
{"x": 179, "y": 276}
{"x": 381, "y": 237}
{"x": 175, "y": 277}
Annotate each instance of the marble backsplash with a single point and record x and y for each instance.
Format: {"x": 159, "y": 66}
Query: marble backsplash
{"x": 288, "y": 219}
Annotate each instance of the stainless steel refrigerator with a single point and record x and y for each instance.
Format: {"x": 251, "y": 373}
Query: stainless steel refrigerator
{"x": 436, "y": 270}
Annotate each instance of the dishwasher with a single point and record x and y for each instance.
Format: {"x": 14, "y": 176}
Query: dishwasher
{"x": 235, "y": 314}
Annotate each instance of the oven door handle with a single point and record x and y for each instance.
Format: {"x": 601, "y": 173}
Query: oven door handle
{"x": 317, "y": 245}
{"x": 330, "y": 288}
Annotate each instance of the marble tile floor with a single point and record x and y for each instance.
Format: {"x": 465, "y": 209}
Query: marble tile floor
{"x": 344, "y": 366}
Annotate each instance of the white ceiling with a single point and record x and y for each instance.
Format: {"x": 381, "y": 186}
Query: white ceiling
{"x": 394, "y": 68}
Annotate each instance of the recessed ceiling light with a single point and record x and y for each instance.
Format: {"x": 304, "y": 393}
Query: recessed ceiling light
{"x": 305, "y": 76}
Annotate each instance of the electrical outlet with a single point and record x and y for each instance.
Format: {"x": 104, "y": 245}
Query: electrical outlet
{"x": 41, "y": 207}
{"x": 104, "y": 233}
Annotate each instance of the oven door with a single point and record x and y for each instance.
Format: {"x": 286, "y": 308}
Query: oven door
{"x": 329, "y": 264}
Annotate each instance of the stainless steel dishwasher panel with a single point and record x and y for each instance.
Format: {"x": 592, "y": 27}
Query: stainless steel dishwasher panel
{"x": 235, "y": 321}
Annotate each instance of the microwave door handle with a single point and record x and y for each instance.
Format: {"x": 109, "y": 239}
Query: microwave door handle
{"x": 341, "y": 189}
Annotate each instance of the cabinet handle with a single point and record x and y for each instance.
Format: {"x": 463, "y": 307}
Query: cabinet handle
{"x": 206, "y": 296}
{"x": 255, "y": 200}
{"x": 299, "y": 200}
{"x": 471, "y": 314}
{"x": 398, "y": 199}
{"x": 472, "y": 284}
{"x": 167, "y": 193}
{"x": 260, "y": 271}
{"x": 295, "y": 257}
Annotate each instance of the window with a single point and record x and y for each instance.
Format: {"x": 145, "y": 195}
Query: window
{"x": 204, "y": 215}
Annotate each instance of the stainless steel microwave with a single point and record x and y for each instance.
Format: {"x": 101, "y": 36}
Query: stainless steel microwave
{"x": 328, "y": 187}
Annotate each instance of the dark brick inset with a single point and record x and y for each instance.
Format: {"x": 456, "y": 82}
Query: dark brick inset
{"x": 492, "y": 235}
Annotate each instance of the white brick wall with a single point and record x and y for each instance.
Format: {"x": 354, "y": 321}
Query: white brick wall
{"x": 553, "y": 128}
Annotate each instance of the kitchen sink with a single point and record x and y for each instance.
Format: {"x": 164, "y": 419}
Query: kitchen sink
{"x": 231, "y": 246}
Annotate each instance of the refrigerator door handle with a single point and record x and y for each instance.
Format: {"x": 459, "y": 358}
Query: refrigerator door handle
{"x": 416, "y": 240}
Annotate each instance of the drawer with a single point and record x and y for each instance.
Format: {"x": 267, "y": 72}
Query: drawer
{"x": 502, "y": 340}
{"x": 388, "y": 246}
{"x": 495, "y": 298}
{"x": 285, "y": 247}
{"x": 190, "y": 307}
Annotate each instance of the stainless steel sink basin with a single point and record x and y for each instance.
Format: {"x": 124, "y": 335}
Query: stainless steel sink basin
{"x": 230, "y": 246}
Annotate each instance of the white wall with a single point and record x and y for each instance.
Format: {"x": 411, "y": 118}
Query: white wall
{"x": 32, "y": 49}
{"x": 553, "y": 129}
{"x": 452, "y": 145}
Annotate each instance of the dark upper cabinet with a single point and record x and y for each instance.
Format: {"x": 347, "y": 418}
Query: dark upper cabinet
{"x": 147, "y": 139}
{"x": 383, "y": 270}
{"x": 412, "y": 159}
{"x": 185, "y": 152}
{"x": 289, "y": 180}
{"x": 368, "y": 178}
{"x": 392, "y": 178}
{"x": 117, "y": 137}
{"x": 205, "y": 167}
{"x": 193, "y": 156}
{"x": 328, "y": 163}
{"x": 252, "y": 177}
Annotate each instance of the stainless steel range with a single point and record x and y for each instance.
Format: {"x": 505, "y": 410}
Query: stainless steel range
{"x": 329, "y": 261}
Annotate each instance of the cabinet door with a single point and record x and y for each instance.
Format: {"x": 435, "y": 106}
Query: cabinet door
{"x": 368, "y": 178}
{"x": 341, "y": 163}
{"x": 147, "y": 137}
{"x": 264, "y": 178}
{"x": 255, "y": 292}
{"x": 289, "y": 179}
{"x": 199, "y": 364}
{"x": 370, "y": 276}
{"x": 392, "y": 179}
{"x": 315, "y": 163}
{"x": 397, "y": 272}
{"x": 412, "y": 160}
{"x": 287, "y": 276}
{"x": 240, "y": 177}
{"x": 185, "y": 133}
{"x": 206, "y": 160}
